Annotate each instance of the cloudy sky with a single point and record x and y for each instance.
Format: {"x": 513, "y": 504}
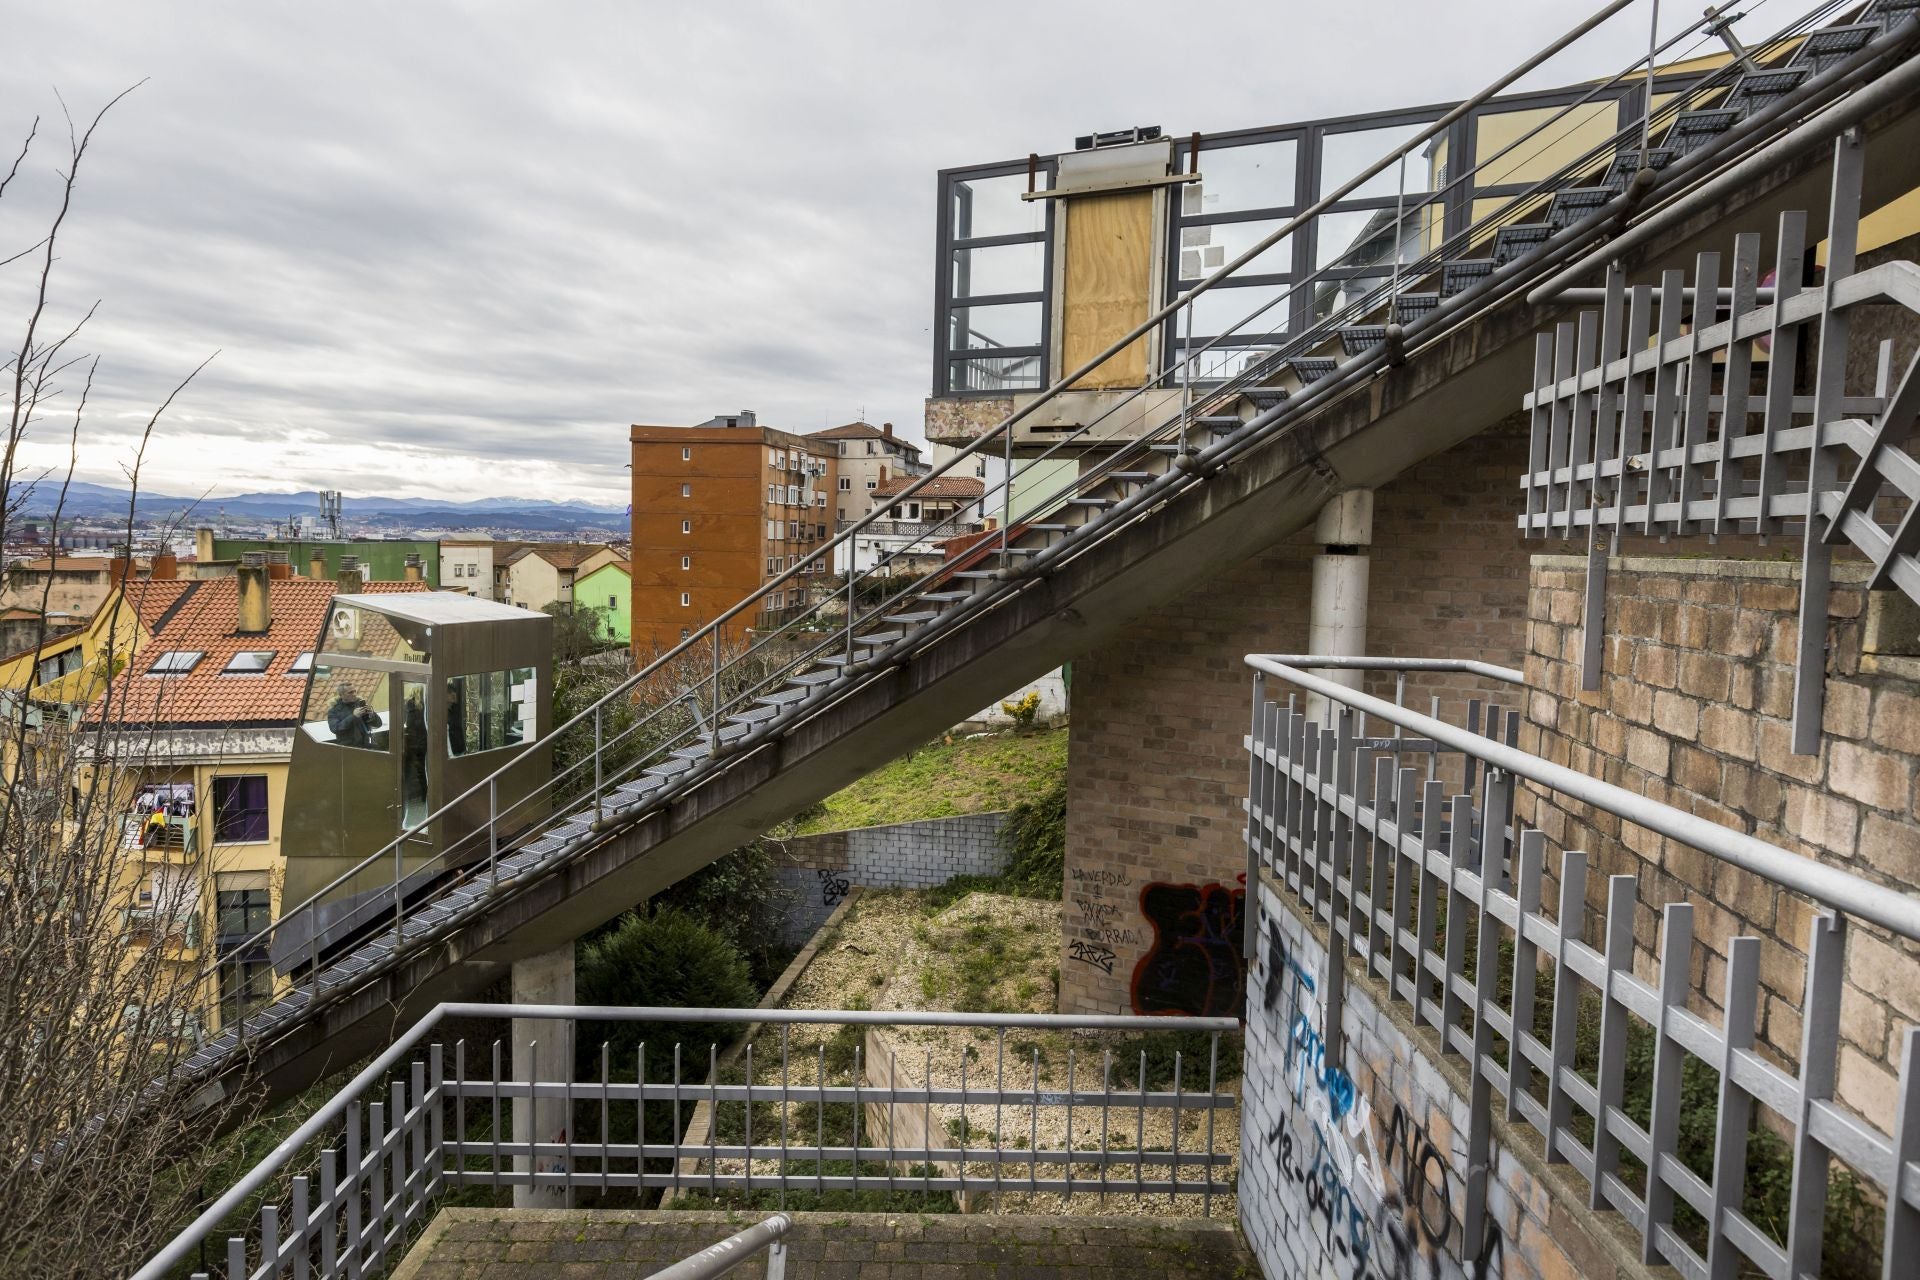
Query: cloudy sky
{"x": 453, "y": 249}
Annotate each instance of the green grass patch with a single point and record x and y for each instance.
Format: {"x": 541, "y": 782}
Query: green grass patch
{"x": 942, "y": 780}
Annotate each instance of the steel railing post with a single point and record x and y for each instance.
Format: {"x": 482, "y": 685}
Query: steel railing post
{"x": 493, "y": 835}
{"x": 598, "y": 776}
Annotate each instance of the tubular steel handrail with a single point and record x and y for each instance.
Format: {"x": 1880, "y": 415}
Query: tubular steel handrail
{"x": 1830, "y": 886}
{"x": 428, "y": 1127}
{"x": 765, "y": 1236}
{"x": 818, "y": 636}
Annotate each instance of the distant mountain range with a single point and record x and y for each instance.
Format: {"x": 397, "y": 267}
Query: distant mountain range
{"x": 94, "y": 501}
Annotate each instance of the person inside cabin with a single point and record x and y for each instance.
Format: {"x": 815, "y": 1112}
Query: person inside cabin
{"x": 351, "y": 721}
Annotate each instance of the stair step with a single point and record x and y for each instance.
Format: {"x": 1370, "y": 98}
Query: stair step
{"x": 1133, "y": 477}
{"x": 977, "y": 575}
{"x": 946, "y": 597}
{"x": 1409, "y": 307}
{"x": 1575, "y": 203}
{"x": 1219, "y": 421}
{"x": 1312, "y": 368}
{"x": 1824, "y": 48}
{"x": 783, "y": 698}
{"x": 1356, "y": 338}
{"x": 1621, "y": 171}
{"x": 1266, "y": 397}
{"x": 1463, "y": 273}
{"x": 1518, "y": 238}
{"x": 691, "y": 755}
{"x": 754, "y": 714}
{"x": 1694, "y": 129}
{"x": 873, "y": 638}
{"x": 1760, "y": 86}
{"x": 1047, "y": 528}
{"x": 817, "y": 677}
{"x": 669, "y": 768}
{"x": 911, "y": 619}
{"x": 1098, "y": 504}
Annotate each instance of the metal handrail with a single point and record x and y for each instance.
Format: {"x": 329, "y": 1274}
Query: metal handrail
{"x": 1157, "y": 491}
{"x": 736, "y": 1250}
{"x": 335, "y": 1108}
{"x": 1841, "y": 890}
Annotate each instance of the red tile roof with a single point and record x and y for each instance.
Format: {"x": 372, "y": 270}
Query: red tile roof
{"x": 963, "y": 488}
{"x": 202, "y": 617}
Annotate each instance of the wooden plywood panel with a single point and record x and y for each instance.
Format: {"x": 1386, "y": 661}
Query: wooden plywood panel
{"x": 1109, "y": 261}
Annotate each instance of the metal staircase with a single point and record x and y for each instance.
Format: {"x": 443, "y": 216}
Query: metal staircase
{"x": 749, "y": 735}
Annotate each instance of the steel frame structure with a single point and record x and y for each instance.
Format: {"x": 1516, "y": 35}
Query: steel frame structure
{"x": 1401, "y": 875}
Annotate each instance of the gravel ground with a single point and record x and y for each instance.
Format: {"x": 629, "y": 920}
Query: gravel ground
{"x": 995, "y": 954}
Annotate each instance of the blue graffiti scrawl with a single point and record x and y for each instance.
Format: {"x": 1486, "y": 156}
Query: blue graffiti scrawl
{"x": 1194, "y": 966}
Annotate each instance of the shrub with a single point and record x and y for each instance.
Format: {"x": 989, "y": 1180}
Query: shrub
{"x": 660, "y": 958}
{"x": 1023, "y": 712}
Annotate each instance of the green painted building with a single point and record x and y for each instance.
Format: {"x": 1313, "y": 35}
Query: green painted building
{"x": 383, "y": 561}
{"x": 610, "y": 590}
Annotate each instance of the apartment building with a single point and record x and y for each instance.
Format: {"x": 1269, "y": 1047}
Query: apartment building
{"x": 910, "y": 534}
{"x": 719, "y": 509}
{"x": 540, "y": 574}
{"x": 868, "y": 457}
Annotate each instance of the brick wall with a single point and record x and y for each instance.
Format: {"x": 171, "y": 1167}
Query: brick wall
{"x": 1353, "y": 1149}
{"x": 1156, "y": 769}
{"x": 1694, "y": 711}
{"x": 817, "y": 871}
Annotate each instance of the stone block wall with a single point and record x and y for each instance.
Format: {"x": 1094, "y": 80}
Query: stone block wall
{"x": 818, "y": 870}
{"x": 1353, "y": 1149}
{"x": 1694, "y": 710}
{"x": 1156, "y": 768}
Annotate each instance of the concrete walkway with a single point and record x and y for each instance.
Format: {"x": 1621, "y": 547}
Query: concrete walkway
{"x": 531, "y": 1244}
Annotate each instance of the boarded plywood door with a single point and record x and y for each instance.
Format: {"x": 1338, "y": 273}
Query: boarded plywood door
{"x": 1108, "y": 275}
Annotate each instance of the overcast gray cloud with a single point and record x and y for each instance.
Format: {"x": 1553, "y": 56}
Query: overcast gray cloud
{"x": 454, "y": 249}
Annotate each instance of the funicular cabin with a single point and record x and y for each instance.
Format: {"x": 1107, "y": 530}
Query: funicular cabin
{"x": 413, "y": 700}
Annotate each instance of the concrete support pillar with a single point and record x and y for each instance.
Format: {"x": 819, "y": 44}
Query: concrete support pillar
{"x": 542, "y": 1051}
{"x": 1337, "y": 623}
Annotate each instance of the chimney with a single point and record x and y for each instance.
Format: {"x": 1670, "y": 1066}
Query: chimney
{"x": 317, "y": 566}
{"x": 118, "y": 568}
{"x": 886, "y": 429}
{"x": 415, "y": 571}
{"x": 164, "y": 565}
{"x": 349, "y": 579}
{"x": 278, "y": 565}
{"x": 203, "y": 544}
{"x": 256, "y": 598}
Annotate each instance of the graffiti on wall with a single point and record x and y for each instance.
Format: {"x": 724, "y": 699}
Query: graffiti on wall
{"x": 834, "y": 887}
{"x": 1101, "y": 922}
{"x": 1386, "y": 1215}
{"x": 1194, "y": 966}
{"x": 1091, "y": 953}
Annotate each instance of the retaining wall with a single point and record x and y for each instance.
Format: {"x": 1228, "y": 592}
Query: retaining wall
{"x": 819, "y": 870}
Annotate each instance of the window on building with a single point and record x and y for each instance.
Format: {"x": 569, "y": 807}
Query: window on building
{"x": 243, "y": 905}
{"x": 240, "y": 809}
{"x": 250, "y": 662}
{"x": 846, "y": 484}
{"x": 873, "y": 484}
{"x": 490, "y": 709}
{"x": 55, "y": 665}
{"x": 246, "y": 983}
{"x": 686, "y": 600}
{"x": 176, "y": 662}
{"x": 686, "y": 562}
{"x": 869, "y": 448}
{"x": 613, "y": 602}
{"x": 301, "y": 665}
{"x": 793, "y": 495}
{"x": 686, "y": 454}
{"x": 684, "y": 633}
{"x": 686, "y": 491}
{"x": 686, "y": 526}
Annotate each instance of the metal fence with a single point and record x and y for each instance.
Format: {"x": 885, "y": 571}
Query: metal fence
{"x": 1654, "y": 415}
{"x": 1405, "y": 877}
{"x": 991, "y": 1104}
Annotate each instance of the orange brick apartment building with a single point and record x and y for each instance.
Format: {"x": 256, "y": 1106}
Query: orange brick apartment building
{"x": 718, "y": 509}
